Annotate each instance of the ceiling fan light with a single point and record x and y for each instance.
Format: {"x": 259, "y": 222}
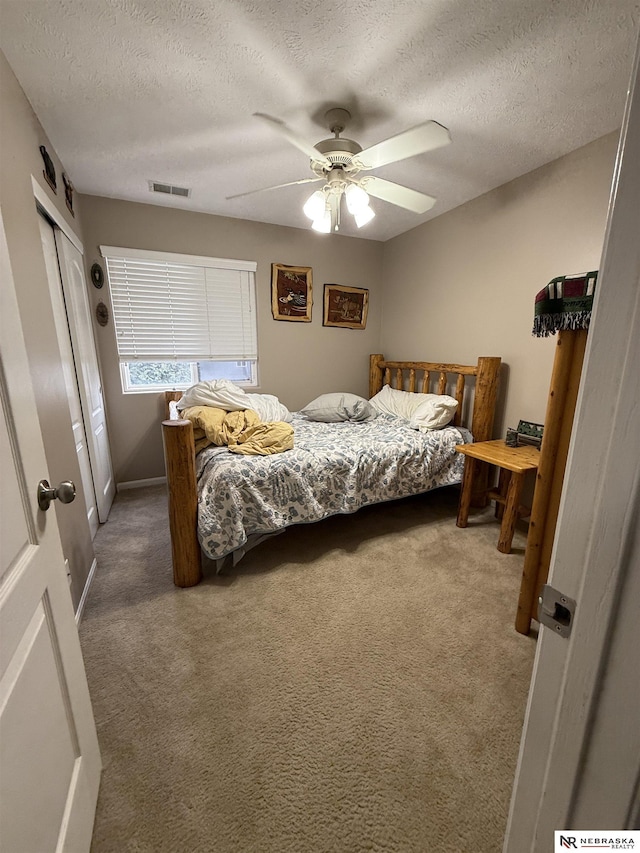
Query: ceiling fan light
{"x": 323, "y": 223}
{"x": 315, "y": 205}
{"x": 363, "y": 216}
{"x": 357, "y": 199}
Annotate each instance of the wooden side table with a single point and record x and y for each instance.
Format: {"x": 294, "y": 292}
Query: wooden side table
{"x": 513, "y": 462}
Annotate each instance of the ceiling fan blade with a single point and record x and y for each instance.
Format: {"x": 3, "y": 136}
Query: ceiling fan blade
{"x": 424, "y": 137}
{"x": 276, "y": 187}
{"x": 286, "y": 132}
{"x": 397, "y": 194}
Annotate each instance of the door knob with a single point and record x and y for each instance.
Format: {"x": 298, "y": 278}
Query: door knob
{"x": 65, "y": 493}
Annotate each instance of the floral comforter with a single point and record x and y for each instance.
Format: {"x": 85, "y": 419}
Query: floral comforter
{"x": 333, "y": 468}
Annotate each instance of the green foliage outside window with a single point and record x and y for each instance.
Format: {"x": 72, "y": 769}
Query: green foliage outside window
{"x": 159, "y": 373}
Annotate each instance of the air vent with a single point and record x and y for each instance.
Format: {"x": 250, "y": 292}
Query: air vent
{"x": 169, "y": 189}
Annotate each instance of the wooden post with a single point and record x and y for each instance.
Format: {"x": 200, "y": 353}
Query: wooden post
{"x": 457, "y": 418}
{"x": 563, "y": 393}
{"x": 503, "y": 485}
{"x": 170, "y": 397}
{"x": 484, "y": 401}
{"x": 484, "y": 407}
{"x": 180, "y": 460}
{"x": 375, "y": 373}
{"x": 510, "y": 514}
{"x": 468, "y": 477}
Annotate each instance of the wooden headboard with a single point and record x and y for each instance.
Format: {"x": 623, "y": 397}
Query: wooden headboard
{"x": 440, "y": 378}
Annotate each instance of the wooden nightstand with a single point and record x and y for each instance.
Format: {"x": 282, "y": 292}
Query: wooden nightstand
{"x": 513, "y": 462}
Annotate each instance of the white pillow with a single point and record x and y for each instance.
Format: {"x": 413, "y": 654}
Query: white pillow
{"x": 268, "y": 407}
{"x": 340, "y": 406}
{"x": 434, "y": 413}
{"x": 423, "y": 411}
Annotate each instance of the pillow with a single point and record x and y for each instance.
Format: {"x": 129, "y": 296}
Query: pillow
{"x": 423, "y": 411}
{"x": 340, "y": 406}
{"x": 434, "y": 413}
{"x": 268, "y": 407}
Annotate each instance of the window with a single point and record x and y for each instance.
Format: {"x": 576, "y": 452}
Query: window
{"x": 182, "y": 318}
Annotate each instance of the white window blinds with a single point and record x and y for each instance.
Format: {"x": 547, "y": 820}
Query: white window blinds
{"x": 181, "y": 307}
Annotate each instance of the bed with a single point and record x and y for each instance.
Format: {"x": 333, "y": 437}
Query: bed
{"x": 221, "y": 504}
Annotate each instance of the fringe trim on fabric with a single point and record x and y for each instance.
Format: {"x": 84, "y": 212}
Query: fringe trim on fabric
{"x": 548, "y": 324}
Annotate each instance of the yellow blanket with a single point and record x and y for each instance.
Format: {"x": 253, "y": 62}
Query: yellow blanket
{"x": 241, "y": 432}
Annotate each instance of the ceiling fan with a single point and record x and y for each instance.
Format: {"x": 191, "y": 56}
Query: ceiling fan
{"x": 338, "y": 163}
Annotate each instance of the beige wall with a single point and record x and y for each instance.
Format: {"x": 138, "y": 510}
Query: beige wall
{"x": 20, "y": 138}
{"x": 457, "y": 287}
{"x": 297, "y": 361}
{"x": 463, "y": 284}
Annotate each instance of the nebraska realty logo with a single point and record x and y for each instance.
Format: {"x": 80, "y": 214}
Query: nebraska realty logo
{"x": 571, "y": 839}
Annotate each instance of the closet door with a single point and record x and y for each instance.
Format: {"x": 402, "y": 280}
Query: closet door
{"x": 86, "y": 361}
{"x": 48, "y": 744}
{"x": 70, "y": 380}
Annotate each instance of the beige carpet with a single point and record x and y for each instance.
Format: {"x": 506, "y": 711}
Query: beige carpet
{"x": 354, "y": 685}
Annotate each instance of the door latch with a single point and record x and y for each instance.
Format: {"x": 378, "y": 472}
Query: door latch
{"x": 556, "y": 610}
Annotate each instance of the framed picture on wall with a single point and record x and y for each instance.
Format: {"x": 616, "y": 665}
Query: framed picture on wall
{"x": 291, "y": 293}
{"x": 345, "y": 307}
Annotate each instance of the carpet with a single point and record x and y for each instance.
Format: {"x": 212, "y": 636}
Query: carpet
{"x": 352, "y": 685}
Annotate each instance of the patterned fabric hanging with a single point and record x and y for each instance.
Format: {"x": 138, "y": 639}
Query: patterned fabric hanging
{"x": 565, "y": 303}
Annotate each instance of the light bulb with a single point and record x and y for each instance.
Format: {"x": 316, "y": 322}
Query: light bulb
{"x": 322, "y": 223}
{"x": 314, "y": 206}
{"x": 363, "y": 216}
{"x": 357, "y": 198}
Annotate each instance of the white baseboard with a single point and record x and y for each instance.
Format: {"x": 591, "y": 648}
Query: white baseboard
{"x": 85, "y": 591}
{"x": 138, "y": 484}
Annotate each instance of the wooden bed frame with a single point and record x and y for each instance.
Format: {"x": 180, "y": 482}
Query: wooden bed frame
{"x": 421, "y": 376}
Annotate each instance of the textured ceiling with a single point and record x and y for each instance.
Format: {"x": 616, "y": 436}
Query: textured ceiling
{"x": 131, "y": 91}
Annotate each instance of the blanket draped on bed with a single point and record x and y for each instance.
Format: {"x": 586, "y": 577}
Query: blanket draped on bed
{"x": 242, "y": 431}
{"x": 565, "y": 303}
{"x": 333, "y": 468}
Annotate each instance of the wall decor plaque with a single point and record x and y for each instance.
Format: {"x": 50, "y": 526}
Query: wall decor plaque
{"x": 291, "y": 293}
{"x": 345, "y": 307}
{"x": 49, "y": 169}
{"x": 97, "y": 275}
{"x": 102, "y": 314}
{"x": 68, "y": 193}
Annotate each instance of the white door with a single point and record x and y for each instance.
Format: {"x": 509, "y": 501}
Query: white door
{"x": 48, "y": 745}
{"x": 579, "y": 760}
{"x": 71, "y": 382}
{"x": 86, "y": 361}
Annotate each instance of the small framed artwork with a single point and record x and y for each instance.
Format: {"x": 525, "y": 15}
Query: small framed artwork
{"x": 49, "y": 169}
{"x": 345, "y": 307}
{"x": 68, "y": 193}
{"x": 291, "y": 293}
